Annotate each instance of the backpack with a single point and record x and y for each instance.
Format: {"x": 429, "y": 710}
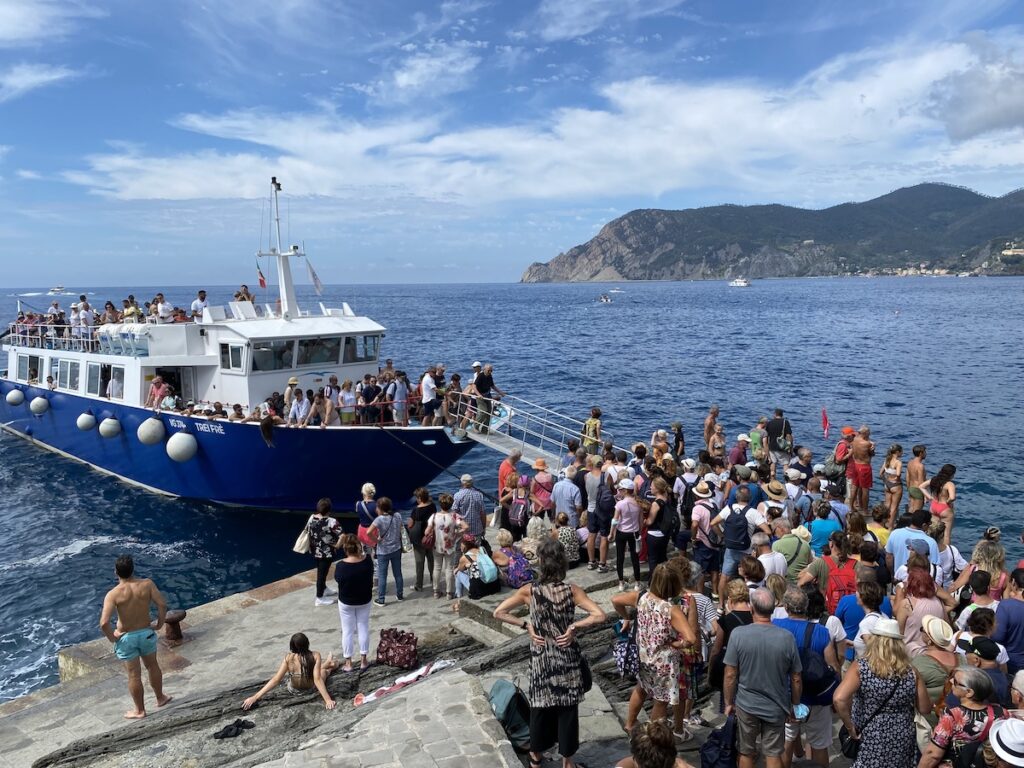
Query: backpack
{"x": 686, "y": 502}
{"x": 669, "y": 520}
{"x": 512, "y": 709}
{"x": 709, "y": 533}
{"x": 737, "y": 535}
{"x": 518, "y": 572}
{"x": 791, "y": 509}
{"x": 842, "y": 581}
{"x": 719, "y": 751}
{"x": 833, "y": 468}
{"x": 605, "y": 498}
{"x": 486, "y": 570}
{"x": 820, "y": 680}
{"x": 517, "y": 511}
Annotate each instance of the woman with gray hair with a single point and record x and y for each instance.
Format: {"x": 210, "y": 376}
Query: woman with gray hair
{"x": 963, "y": 729}
{"x": 556, "y": 661}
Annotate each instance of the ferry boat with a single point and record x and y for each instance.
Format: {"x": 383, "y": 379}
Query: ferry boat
{"x": 57, "y": 290}
{"x": 94, "y": 411}
{"x": 740, "y": 282}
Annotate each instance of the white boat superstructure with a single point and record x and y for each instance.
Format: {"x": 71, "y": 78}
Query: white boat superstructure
{"x": 740, "y": 282}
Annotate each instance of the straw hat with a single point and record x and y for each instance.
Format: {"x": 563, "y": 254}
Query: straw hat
{"x": 540, "y": 464}
{"x": 776, "y": 491}
{"x": 887, "y": 628}
{"x": 938, "y": 631}
{"x": 802, "y": 532}
{"x": 702, "y": 491}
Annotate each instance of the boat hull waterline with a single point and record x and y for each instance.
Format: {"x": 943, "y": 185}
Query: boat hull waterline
{"x": 233, "y": 464}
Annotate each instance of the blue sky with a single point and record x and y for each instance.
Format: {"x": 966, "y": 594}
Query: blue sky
{"x": 462, "y": 140}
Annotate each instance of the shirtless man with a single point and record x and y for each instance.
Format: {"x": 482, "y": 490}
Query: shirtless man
{"x": 135, "y": 635}
{"x": 861, "y": 451}
{"x": 709, "y": 425}
{"x": 916, "y": 475}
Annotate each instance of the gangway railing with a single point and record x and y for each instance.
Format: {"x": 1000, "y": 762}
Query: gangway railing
{"x": 534, "y": 429}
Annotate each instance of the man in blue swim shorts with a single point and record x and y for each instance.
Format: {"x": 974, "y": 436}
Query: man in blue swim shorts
{"x": 134, "y": 638}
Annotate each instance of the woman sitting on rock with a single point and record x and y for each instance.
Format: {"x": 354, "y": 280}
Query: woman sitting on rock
{"x": 304, "y": 671}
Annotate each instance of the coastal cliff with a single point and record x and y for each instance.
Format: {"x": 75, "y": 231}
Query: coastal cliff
{"x": 926, "y": 227}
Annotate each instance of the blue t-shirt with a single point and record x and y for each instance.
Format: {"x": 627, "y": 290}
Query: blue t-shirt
{"x": 757, "y": 494}
{"x": 851, "y": 614}
{"x": 820, "y": 531}
{"x": 897, "y": 546}
{"x": 1010, "y": 631}
{"x": 820, "y": 638}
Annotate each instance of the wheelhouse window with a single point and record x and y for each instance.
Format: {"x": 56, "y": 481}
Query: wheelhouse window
{"x": 28, "y": 367}
{"x": 115, "y": 386}
{"x": 93, "y": 382}
{"x": 272, "y": 355}
{"x": 67, "y": 374}
{"x": 231, "y": 357}
{"x": 319, "y": 351}
{"x": 361, "y": 348}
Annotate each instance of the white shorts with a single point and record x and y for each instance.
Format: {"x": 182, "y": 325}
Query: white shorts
{"x": 817, "y": 728}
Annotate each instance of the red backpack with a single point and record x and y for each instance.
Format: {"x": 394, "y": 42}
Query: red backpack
{"x": 842, "y": 581}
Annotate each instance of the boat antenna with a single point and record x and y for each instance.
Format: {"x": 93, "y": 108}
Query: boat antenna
{"x": 289, "y": 305}
{"x": 275, "y": 186}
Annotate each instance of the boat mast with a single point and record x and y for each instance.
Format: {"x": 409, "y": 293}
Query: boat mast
{"x": 289, "y": 304}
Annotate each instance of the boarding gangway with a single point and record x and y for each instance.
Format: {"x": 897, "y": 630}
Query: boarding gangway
{"x": 537, "y": 431}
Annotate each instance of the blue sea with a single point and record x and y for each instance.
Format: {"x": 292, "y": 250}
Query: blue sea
{"x": 931, "y": 360}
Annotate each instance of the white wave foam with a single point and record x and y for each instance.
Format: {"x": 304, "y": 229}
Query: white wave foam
{"x": 31, "y": 293}
{"x": 76, "y": 547}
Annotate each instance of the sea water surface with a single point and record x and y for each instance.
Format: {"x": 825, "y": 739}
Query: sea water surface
{"x": 931, "y": 360}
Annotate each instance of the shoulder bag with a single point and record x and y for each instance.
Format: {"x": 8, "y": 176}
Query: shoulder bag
{"x": 849, "y": 746}
{"x": 303, "y": 544}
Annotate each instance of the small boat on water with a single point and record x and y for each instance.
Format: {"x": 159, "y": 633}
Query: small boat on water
{"x": 616, "y": 290}
{"x": 57, "y": 290}
{"x": 604, "y": 298}
{"x": 739, "y": 282}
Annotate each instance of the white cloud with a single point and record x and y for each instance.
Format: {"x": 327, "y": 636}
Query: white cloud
{"x": 859, "y": 125}
{"x": 24, "y": 173}
{"x": 568, "y": 19}
{"x": 438, "y": 68}
{"x": 22, "y": 78}
{"x": 27, "y": 22}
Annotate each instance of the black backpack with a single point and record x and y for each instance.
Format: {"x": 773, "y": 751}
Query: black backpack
{"x": 686, "y": 502}
{"x": 669, "y": 523}
{"x": 820, "y": 680}
{"x": 719, "y": 751}
{"x": 512, "y": 709}
{"x": 605, "y": 503}
{"x": 737, "y": 536}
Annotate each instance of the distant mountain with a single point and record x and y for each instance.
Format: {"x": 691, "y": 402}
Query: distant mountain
{"x": 940, "y": 226}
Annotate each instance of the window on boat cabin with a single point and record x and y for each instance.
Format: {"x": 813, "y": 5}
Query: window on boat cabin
{"x": 273, "y": 355}
{"x": 67, "y": 374}
{"x": 319, "y": 351}
{"x": 231, "y": 357}
{"x": 93, "y": 380}
{"x": 29, "y": 367}
{"x": 361, "y": 348}
{"x": 115, "y": 386}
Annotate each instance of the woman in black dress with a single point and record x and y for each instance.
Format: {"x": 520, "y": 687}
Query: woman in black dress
{"x": 556, "y": 662}
{"x": 417, "y": 524}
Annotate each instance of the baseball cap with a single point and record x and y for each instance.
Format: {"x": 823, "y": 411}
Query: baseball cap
{"x": 466, "y": 478}
{"x": 818, "y": 468}
{"x": 626, "y": 484}
{"x": 849, "y": 431}
{"x": 920, "y": 546}
{"x": 477, "y": 364}
{"x": 689, "y": 464}
{"x": 795, "y": 474}
{"x": 743, "y": 438}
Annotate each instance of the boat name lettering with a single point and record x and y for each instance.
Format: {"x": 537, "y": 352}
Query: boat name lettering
{"x": 216, "y": 429}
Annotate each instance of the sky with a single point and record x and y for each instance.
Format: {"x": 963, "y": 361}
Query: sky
{"x": 438, "y": 142}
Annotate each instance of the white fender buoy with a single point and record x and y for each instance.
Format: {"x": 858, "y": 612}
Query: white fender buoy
{"x": 15, "y": 397}
{"x": 39, "y": 405}
{"x": 110, "y": 427}
{"x": 85, "y": 421}
{"x": 151, "y": 431}
{"x": 182, "y": 446}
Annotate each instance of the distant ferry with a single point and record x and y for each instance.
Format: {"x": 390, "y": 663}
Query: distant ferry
{"x": 57, "y": 290}
{"x": 740, "y": 282}
{"x": 604, "y": 298}
{"x": 94, "y": 410}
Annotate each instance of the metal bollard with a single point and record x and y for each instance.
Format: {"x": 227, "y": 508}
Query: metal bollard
{"x": 172, "y": 628}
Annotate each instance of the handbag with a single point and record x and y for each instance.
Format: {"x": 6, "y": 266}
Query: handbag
{"x": 627, "y": 653}
{"x": 303, "y": 544}
{"x": 429, "y": 538}
{"x": 849, "y": 746}
{"x": 363, "y": 533}
{"x": 397, "y": 648}
{"x": 585, "y": 674}
{"x": 406, "y": 541}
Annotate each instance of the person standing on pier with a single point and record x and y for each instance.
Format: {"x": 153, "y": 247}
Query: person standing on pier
{"x": 135, "y": 635}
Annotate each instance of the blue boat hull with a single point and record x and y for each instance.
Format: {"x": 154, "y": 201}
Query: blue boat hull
{"x": 234, "y": 465}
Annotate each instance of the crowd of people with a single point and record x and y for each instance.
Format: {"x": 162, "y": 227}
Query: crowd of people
{"x": 755, "y": 571}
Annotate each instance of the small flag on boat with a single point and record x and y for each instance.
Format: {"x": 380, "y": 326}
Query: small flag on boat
{"x": 824, "y": 422}
{"x": 259, "y": 273}
{"x": 313, "y": 278}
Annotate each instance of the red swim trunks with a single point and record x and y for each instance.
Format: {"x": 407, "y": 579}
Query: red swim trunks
{"x": 861, "y": 475}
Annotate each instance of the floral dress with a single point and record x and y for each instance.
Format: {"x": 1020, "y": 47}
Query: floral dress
{"x": 889, "y": 740}
{"x": 659, "y": 661}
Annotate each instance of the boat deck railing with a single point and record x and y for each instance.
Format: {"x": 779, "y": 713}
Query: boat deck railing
{"x": 130, "y": 339}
